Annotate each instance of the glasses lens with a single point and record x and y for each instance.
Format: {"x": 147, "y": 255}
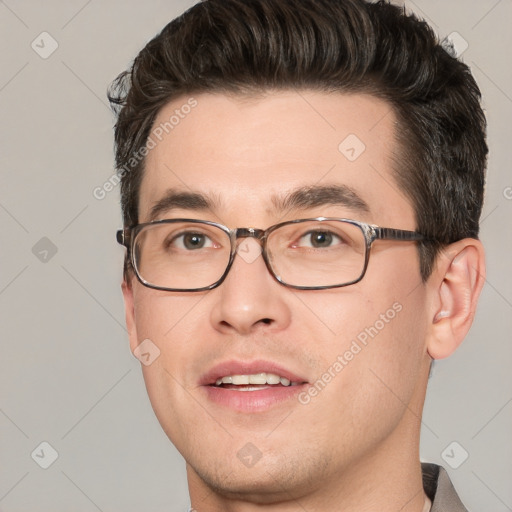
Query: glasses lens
{"x": 317, "y": 253}
{"x": 181, "y": 255}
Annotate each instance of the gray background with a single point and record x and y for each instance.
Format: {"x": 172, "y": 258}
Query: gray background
{"x": 67, "y": 376}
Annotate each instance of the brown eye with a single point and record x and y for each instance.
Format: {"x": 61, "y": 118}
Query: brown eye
{"x": 194, "y": 241}
{"x": 190, "y": 241}
{"x": 319, "y": 239}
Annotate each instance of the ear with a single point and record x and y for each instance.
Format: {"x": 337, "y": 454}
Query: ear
{"x": 455, "y": 285}
{"x": 130, "y": 314}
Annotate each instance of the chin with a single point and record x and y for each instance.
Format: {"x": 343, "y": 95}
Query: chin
{"x": 260, "y": 488}
{"x": 264, "y": 483}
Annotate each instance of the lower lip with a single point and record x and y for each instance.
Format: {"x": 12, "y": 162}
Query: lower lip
{"x": 253, "y": 401}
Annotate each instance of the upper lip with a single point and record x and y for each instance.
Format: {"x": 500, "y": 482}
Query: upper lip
{"x": 247, "y": 368}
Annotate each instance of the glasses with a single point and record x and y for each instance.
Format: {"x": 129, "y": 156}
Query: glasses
{"x": 188, "y": 255}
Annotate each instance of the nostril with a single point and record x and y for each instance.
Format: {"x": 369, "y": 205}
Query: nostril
{"x": 266, "y": 320}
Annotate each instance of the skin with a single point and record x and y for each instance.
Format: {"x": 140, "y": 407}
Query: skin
{"x": 355, "y": 446}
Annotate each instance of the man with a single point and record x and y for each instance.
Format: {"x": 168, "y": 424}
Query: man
{"x": 301, "y": 188}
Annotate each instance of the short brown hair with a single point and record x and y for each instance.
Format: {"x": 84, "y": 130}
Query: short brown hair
{"x": 249, "y": 46}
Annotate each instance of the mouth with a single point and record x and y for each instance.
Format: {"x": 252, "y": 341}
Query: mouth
{"x": 251, "y": 387}
{"x": 254, "y": 382}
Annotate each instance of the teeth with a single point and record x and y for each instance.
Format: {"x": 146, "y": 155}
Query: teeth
{"x": 258, "y": 378}
{"x": 248, "y": 388}
{"x": 273, "y": 379}
{"x": 239, "y": 380}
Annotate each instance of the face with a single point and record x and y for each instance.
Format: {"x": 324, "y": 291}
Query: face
{"x": 356, "y": 354}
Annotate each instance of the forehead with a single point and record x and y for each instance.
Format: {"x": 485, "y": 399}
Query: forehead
{"x": 244, "y": 151}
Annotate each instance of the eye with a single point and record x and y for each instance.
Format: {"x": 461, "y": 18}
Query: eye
{"x": 191, "y": 241}
{"x": 319, "y": 239}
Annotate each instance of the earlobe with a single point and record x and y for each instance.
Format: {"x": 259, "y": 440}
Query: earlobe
{"x": 130, "y": 314}
{"x": 457, "y": 283}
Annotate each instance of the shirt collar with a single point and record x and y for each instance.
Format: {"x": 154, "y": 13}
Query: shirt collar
{"x": 440, "y": 490}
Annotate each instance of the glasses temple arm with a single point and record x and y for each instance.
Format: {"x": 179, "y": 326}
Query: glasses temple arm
{"x": 123, "y": 237}
{"x": 397, "y": 234}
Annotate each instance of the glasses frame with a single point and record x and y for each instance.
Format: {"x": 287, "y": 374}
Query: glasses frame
{"x": 128, "y": 235}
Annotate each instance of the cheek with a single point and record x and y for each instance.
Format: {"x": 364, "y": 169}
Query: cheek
{"x": 391, "y": 368}
{"x": 376, "y": 350}
{"x": 171, "y": 324}
{"x": 165, "y": 318}
{"x": 395, "y": 330}
{"x": 369, "y": 378}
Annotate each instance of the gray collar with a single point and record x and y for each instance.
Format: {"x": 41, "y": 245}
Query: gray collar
{"x": 439, "y": 489}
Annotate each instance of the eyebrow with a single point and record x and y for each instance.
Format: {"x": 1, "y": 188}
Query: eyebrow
{"x": 321, "y": 195}
{"x": 302, "y": 198}
{"x": 174, "y": 200}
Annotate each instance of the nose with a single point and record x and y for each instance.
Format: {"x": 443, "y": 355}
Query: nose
{"x": 250, "y": 299}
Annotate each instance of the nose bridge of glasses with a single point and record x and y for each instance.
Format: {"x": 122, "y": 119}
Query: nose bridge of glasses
{"x": 249, "y": 233}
